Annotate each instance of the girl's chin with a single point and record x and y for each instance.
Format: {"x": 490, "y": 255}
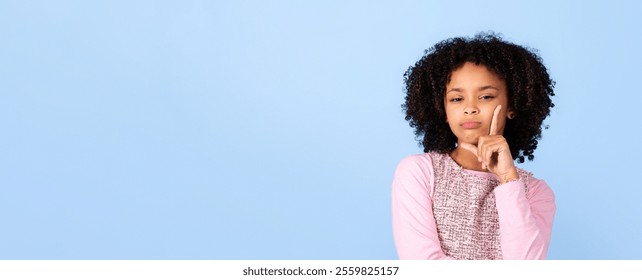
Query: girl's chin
{"x": 469, "y": 140}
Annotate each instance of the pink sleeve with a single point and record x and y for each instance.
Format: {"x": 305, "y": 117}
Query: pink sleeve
{"x": 414, "y": 227}
{"x": 525, "y": 223}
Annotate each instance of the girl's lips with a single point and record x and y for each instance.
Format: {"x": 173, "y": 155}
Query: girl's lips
{"x": 471, "y": 125}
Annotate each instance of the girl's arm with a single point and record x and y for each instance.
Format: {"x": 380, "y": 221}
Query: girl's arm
{"x": 414, "y": 227}
{"x": 525, "y": 222}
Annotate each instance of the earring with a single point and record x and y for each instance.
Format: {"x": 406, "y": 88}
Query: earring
{"x": 511, "y": 115}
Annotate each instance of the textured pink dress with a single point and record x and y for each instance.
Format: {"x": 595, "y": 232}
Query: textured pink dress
{"x": 442, "y": 211}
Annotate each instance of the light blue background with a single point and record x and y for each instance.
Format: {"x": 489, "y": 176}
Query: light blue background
{"x": 271, "y": 129}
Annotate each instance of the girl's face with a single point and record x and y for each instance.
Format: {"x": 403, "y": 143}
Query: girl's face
{"x": 471, "y": 97}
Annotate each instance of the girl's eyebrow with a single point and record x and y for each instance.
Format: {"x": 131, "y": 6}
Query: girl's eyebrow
{"x": 479, "y": 89}
{"x": 488, "y": 87}
{"x": 455, "y": 90}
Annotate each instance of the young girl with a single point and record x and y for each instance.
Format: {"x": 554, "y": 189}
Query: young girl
{"x": 478, "y": 105}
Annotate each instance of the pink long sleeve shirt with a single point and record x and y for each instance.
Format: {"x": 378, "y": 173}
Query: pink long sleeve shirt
{"x": 525, "y": 219}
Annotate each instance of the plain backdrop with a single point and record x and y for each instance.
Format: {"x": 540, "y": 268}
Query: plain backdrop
{"x": 271, "y": 129}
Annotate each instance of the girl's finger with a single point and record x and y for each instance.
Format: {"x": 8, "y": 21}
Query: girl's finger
{"x": 488, "y": 154}
{"x": 471, "y": 148}
{"x": 493, "y": 122}
{"x": 481, "y": 149}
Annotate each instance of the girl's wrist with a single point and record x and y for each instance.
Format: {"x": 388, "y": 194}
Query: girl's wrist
{"x": 509, "y": 177}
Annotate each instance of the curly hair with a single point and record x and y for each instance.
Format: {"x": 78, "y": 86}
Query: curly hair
{"x": 528, "y": 85}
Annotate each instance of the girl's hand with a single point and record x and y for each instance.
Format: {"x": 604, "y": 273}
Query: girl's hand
{"x": 493, "y": 152}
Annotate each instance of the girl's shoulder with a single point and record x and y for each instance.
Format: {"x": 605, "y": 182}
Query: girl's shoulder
{"x": 528, "y": 177}
{"x": 414, "y": 174}
{"x": 419, "y": 168}
{"x": 420, "y": 162}
{"x": 525, "y": 176}
{"x": 416, "y": 162}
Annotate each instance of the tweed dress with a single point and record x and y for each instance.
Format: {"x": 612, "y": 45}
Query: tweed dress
{"x": 465, "y": 211}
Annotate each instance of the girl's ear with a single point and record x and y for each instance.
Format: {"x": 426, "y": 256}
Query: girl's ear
{"x": 511, "y": 114}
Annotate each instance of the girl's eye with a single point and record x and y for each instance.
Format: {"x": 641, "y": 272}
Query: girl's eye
{"x": 456, "y": 99}
{"x": 487, "y": 97}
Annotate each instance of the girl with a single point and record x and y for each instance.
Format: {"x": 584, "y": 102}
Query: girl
{"x": 478, "y": 105}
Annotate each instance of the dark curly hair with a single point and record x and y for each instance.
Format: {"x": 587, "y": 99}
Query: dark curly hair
{"x": 528, "y": 84}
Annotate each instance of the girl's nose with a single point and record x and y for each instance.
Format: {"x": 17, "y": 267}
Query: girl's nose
{"x": 471, "y": 110}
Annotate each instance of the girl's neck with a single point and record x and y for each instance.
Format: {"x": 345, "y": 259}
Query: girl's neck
{"x": 466, "y": 159}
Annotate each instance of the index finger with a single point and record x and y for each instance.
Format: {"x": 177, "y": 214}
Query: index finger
{"x": 493, "y": 122}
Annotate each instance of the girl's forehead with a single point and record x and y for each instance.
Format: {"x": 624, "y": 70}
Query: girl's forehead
{"x": 473, "y": 75}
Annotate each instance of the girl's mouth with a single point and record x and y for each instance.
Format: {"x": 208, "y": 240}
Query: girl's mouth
{"x": 471, "y": 124}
